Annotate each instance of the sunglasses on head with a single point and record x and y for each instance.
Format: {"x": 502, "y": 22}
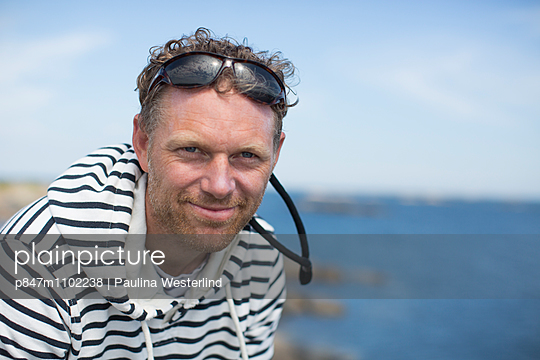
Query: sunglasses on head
{"x": 199, "y": 68}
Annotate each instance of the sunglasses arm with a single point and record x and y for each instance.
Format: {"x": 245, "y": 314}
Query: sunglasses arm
{"x": 303, "y": 260}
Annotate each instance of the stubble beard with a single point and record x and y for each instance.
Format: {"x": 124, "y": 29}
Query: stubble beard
{"x": 172, "y": 212}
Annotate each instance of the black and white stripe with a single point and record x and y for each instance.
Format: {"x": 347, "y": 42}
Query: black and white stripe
{"x": 95, "y": 196}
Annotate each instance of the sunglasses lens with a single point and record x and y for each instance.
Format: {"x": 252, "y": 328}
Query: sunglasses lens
{"x": 195, "y": 70}
{"x": 201, "y": 69}
{"x": 257, "y": 83}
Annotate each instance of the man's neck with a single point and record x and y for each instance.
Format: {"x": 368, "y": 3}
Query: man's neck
{"x": 178, "y": 258}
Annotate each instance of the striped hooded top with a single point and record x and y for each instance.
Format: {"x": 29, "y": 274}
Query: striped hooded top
{"x": 91, "y": 204}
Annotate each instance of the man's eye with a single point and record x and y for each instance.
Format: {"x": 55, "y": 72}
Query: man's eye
{"x": 190, "y": 149}
{"x": 247, "y": 155}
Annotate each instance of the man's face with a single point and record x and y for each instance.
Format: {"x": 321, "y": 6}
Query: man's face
{"x": 208, "y": 164}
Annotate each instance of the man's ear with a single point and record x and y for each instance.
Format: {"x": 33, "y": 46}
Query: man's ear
{"x": 140, "y": 143}
{"x": 281, "y": 140}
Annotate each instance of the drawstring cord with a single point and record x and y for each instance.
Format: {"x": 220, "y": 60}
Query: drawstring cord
{"x": 147, "y": 340}
{"x": 234, "y": 317}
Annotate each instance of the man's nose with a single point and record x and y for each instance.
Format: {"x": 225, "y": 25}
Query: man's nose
{"x": 218, "y": 178}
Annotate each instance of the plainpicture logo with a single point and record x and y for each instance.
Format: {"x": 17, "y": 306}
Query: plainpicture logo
{"x": 97, "y": 257}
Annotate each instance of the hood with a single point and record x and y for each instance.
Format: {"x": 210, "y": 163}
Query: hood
{"x": 92, "y": 205}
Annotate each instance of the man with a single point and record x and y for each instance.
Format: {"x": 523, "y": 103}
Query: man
{"x": 204, "y": 146}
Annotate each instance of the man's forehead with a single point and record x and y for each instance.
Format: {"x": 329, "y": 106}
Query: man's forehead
{"x": 207, "y": 116}
{"x": 207, "y": 105}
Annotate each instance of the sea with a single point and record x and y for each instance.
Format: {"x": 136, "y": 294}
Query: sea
{"x": 414, "y": 278}
{"x": 418, "y": 278}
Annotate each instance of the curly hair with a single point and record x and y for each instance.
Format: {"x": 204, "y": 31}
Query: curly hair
{"x": 204, "y": 40}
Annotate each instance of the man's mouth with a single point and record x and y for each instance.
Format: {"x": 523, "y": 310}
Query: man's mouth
{"x": 215, "y": 213}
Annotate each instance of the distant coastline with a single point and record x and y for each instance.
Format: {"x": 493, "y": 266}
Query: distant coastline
{"x": 16, "y": 195}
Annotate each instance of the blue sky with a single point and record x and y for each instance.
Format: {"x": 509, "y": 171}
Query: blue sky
{"x": 425, "y": 98}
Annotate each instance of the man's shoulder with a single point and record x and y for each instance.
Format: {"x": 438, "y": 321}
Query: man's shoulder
{"x": 259, "y": 269}
{"x": 254, "y": 242}
{"x": 255, "y": 257}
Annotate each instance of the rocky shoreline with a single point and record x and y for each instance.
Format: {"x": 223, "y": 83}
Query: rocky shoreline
{"x": 284, "y": 349}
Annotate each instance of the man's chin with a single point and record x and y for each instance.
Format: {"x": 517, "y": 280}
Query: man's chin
{"x": 207, "y": 242}
{"x": 207, "y": 227}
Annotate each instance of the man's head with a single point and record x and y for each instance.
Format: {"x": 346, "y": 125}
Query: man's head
{"x": 209, "y": 151}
